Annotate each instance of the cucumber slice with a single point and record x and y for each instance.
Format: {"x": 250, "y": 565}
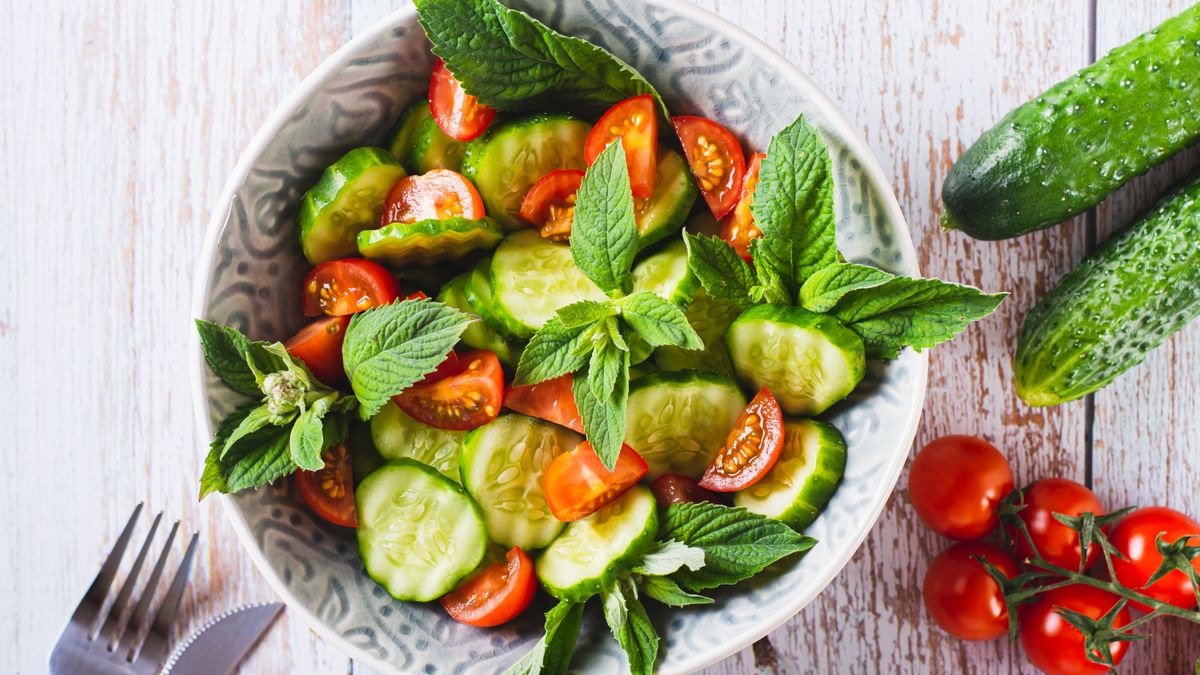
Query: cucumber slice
{"x": 531, "y": 278}
{"x": 430, "y": 148}
{"x": 595, "y": 550}
{"x": 398, "y": 436}
{"x": 710, "y": 317}
{"x": 674, "y": 194}
{"x": 503, "y": 465}
{"x": 810, "y": 361}
{"x": 428, "y": 242}
{"x": 666, "y": 273}
{"x": 419, "y": 533}
{"x": 504, "y": 163}
{"x": 678, "y": 421}
{"x": 400, "y": 140}
{"x": 348, "y": 199}
{"x": 804, "y": 478}
{"x": 478, "y": 335}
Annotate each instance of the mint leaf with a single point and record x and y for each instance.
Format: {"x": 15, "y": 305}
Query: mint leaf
{"x": 658, "y": 321}
{"x": 629, "y": 623}
{"x": 771, "y": 287}
{"x": 230, "y": 355}
{"x": 584, "y": 313}
{"x": 389, "y": 348}
{"x": 511, "y": 61}
{"x": 604, "y": 417}
{"x": 906, "y": 312}
{"x": 793, "y": 206}
{"x": 553, "y": 351}
{"x": 825, "y": 288}
{"x": 604, "y": 368}
{"x": 258, "y": 458}
{"x": 603, "y": 231}
{"x": 737, "y": 544}
{"x": 552, "y": 654}
{"x": 720, "y": 270}
{"x": 307, "y": 438}
{"x": 257, "y": 418}
{"x": 665, "y": 557}
{"x": 666, "y": 591}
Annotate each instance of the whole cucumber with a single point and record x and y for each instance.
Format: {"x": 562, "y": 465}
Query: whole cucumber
{"x": 1065, "y": 151}
{"x": 1138, "y": 288}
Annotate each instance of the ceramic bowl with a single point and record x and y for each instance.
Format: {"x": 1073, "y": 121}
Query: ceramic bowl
{"x": 250, "y": 272}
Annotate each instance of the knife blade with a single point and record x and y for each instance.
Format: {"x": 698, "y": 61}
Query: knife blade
{"x": 220, "y": 645}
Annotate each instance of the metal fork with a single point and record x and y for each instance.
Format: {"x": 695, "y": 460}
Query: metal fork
{"x": 105, "y": 643}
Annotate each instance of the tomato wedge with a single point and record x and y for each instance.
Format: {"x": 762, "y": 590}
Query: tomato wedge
{"x": 330, "y": 491}
{"x": 437, "y": 195}
{"x": 550, "y": 203}
{"x": 751, "y": 448}
{"x": 460, "y": 115}
{"x": 496, "y": 595}
{"x": 346, "y": 286}
{"x": 676, "y": 488}
{"x": 738, "y": 228}
{"x": 462, "y": 400}
{"x": 319, "y": 346}
{"x": 577, "y": 483}
{"x": 552, "y": 400}
{"x": 716, "y": 160}
{"x": 635, "y": 122}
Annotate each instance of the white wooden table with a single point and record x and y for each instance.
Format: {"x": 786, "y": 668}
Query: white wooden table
{"x": 120, "y": 121}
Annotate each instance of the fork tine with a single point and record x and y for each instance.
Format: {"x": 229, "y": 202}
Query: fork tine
{"x": 141, "y": 613}
{"x": 155, "y": 649}
{"x": 112, "y": 623}
{"x": 93, "y": 600}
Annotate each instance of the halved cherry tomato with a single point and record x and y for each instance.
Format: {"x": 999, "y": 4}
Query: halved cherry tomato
{"x": 1136, "y": 538}
{"x": 319, "y": 346}
{"x": 956, "y": 484}
{"x": 346, "y": 286}
{"x": 716, "y": 160}
{"x": 330, "y": 491}
{"x": 462, "y": 400}
{"x": 635, "y": 122}
{"x": 962, "y": 597}
{"x": 496, "y": 595}
{"x": 578, "y": 484}
{"x": 751, "y": 448}
{"x": 1057, "y": 543}
{"x": 1053, "y": 645}
{"x": 460, "y": 115}
{"x": 552, "y": 400}
{"x": 738, "y": 228}
{"x": 676, "y": 488}
{"x": 550, "y": 203}
{"x": 449, "y": 366}
{"x": 437, "y": 195}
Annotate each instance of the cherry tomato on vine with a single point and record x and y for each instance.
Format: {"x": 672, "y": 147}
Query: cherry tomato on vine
{"x": 439, "y": 194}
{"x": 347, "y": 286}
{"x": 460, "y": 115}
{"x": 676, "y": 488}
{"x": 738, "y": 228}
{"x": 1136, "y": 537}
{"x": 1056, "y": 647}
{"x": 956, "y": 484}
{"x": 496, "y": 595}
{"x": 461, "y": 400}
{"x": 1058, "y": 544}
{"x": 751, "y": 448}
{"x": 319, "y": 346}
{"x": 635, "y": 122}
{"x": 962, "y": 597}
{"x": 716, "y": 160}
{"x": 550, "y": 203}
{"x": 330, "y": 491}
{"x": 578, "y": 484}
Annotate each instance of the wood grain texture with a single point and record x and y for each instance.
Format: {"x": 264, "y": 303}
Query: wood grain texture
{"x": 120, "y": 123}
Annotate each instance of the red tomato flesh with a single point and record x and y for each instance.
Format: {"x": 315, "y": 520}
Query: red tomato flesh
{"x": 459, "y": 401}
{"x": 738, "y": 228}
{"x": 330, "y": 491}
{"x": 1055, "y": 646}
{"x": 578, "y": 484}
{"x": 716, "y": 160}
{"x": 676, "y": 488}
{"x": 496, "y": 595}
{"x": 347, "y": 286}
{"x": 635, "y": 122}
{"x": 550, "y": 203}
{"x": 962, "y": 597}
{"x": 552, "y": 400}
{"x": 1057, "y": 543}
{"x": 457, "y": 113}
{"x": 1136, "y": 537}
{"x": 319, "y": 346}
{"x": 437, "y": 195}
{"x": 956, "y": 483}
{"x": 751, "y": 448}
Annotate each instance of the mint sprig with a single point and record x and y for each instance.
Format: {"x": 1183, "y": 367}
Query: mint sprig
{"x": 603, "y": 230}
{"x": 629, "y": 623}
{"x": 552, "y": 654}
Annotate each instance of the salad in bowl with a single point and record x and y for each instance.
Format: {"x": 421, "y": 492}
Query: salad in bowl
{"x": 565, "y": 347}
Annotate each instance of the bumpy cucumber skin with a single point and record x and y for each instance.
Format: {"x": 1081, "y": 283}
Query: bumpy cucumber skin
{"x": 586, "y": 588}
{"x": 1138, "y": 288}
{"x": 1063, "y": 152}
{"x": 480, "y": 297}
{"x": 819, "y": 485}
{"x": 478, "y": 335}
{"x": 675, "y": 192}
{"x": 430, "y": 148}
{"x": 400, "y": 139}
{"x": 428, "y": 241}
{"x": 351, "y": 166}
{"x": 395, "y": 435}
{"x": 748, "y": 368}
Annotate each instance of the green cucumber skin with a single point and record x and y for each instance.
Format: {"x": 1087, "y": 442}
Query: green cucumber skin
{"x": 1065, "y": 151}
{"x": 819, "y": 486}
{"x": 428, "y": 242}
{"x": 400, "y": 140}
{"x": 1138, "y": 288}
